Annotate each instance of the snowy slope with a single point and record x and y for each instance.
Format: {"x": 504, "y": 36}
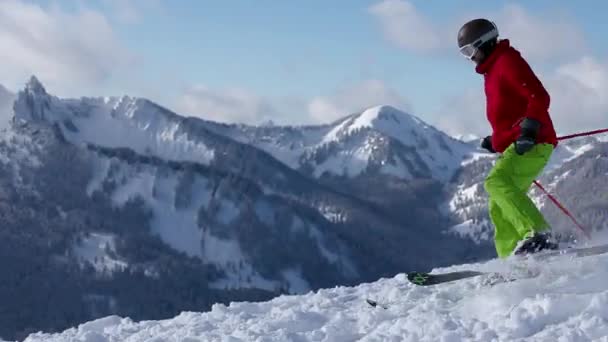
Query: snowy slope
{"x": 382, "y": 138}
{"x": 563, "y": 299}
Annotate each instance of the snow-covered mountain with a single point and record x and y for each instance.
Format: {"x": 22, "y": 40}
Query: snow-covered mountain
{"x": 561, "y": 299}
{"x": 198, "y": 187}
{"x": 131, "y": 209}
{"x": 380, "y": 140}
{"x": 123, "y": 207}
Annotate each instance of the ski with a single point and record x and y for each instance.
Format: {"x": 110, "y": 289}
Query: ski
{"x": 428, "y": 279}
{"x": 576, "y": 252}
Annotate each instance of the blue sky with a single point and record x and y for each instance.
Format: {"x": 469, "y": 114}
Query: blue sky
{"x": 299, "y": 62}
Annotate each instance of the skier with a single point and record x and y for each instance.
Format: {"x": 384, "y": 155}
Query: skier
{"x": 517, "y": 107}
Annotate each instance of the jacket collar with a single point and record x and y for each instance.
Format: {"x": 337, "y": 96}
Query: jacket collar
{"x": 500, "y": 49}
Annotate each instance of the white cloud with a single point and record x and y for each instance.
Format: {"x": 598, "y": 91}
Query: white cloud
{"x": 351, "y": 99}
{"x": 579, "y": 95}
{"x": 230, "y": 105}
{"x": 549, "y": 34}
{"x": 131, "y": 11}
{"x": 405, "y": 26}
{"x": 540, "y": 35}
{"x": 238, "y": 105}
{"x": 6, "y": 107}
{"x": 67, "y": 50}
{"x": 465, "y": 114}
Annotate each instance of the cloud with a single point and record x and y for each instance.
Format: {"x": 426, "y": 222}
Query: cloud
{"x": 351, "y": 99}
{"x": 6, "y": 107}
{"x": 131, "y": 11}
{"x": 542, "y": 35}
{"x": 579, "y": 95}
{"x": 405, "y": 27}
{"x": 238, "y": 105}
{"x": 465, "y": 114}
{"x": 549, "y": 34}
{"x": 230, "y": 105}
{"x": 67, "y": 50}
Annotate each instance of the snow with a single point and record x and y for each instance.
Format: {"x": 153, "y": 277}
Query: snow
{"x": 558, "y": 179}
{"x": 407, "y": 129}
{"x": 566, "y": 152}
{"x": 327, "y": 254}
{"x": 228, "y": 255}
{"x": 100, "y": 173}
{"x": 560, "y": 299}
{"x": 476, "y": 156}
{"x": 476, "y": 231}
{"x": 221, "y": 251}
{"x": 463, "y": 195}
{"x": 297, "y": 284}
{"x": 468, "y": 138}
{"x": 332, "y": 213}
{"x": 336, "y": 133}
{"x": 93, "y": 249}
{"x": 349, "y": 162}
{"x": 180, "y": 227}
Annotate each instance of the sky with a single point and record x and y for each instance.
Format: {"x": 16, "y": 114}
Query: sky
{"x": 308, "y": 62}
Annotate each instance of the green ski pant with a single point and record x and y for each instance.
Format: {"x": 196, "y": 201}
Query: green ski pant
{"x": 513, "y": 213}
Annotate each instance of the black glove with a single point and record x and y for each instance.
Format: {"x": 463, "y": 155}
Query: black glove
{"x": 487, "y": 144}
{"x": 527, "y": 138}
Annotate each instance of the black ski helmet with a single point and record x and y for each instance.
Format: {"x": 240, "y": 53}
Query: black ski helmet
{"x": 473, "y": 30}
{"x": 476, "y": 33}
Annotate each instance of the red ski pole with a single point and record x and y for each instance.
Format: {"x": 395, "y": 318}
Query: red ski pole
{"x": 562, "y": 208}
{"x": 583, "y": 134}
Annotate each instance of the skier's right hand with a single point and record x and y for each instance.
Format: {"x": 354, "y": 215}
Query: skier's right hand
{"x": 487, "y": 144}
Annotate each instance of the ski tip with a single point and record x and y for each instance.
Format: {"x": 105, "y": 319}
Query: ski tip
{"x": 418, "y": 278}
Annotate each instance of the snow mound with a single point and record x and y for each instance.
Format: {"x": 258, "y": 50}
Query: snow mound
{"x": 562, "y": 299}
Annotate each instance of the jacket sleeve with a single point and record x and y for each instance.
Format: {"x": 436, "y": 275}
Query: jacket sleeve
{"x": 521, "y": 77}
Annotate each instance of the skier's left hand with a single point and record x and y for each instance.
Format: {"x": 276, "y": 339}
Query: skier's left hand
{"x": 524, "y": 144}
{"x": 527, "y": 138}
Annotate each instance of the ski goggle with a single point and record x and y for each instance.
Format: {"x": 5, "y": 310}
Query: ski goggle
{"x": 470, "y": 50}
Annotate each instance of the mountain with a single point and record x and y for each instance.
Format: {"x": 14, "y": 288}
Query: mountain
{"x": 379, "y": 141}
{"x": 120, "y": 206}
{"x": 559, "y": 299}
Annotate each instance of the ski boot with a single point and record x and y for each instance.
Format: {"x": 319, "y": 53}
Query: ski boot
{"x": 534, "y": 243}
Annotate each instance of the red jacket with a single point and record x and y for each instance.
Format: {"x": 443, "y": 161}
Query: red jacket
{"x": 513, "y": 93}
